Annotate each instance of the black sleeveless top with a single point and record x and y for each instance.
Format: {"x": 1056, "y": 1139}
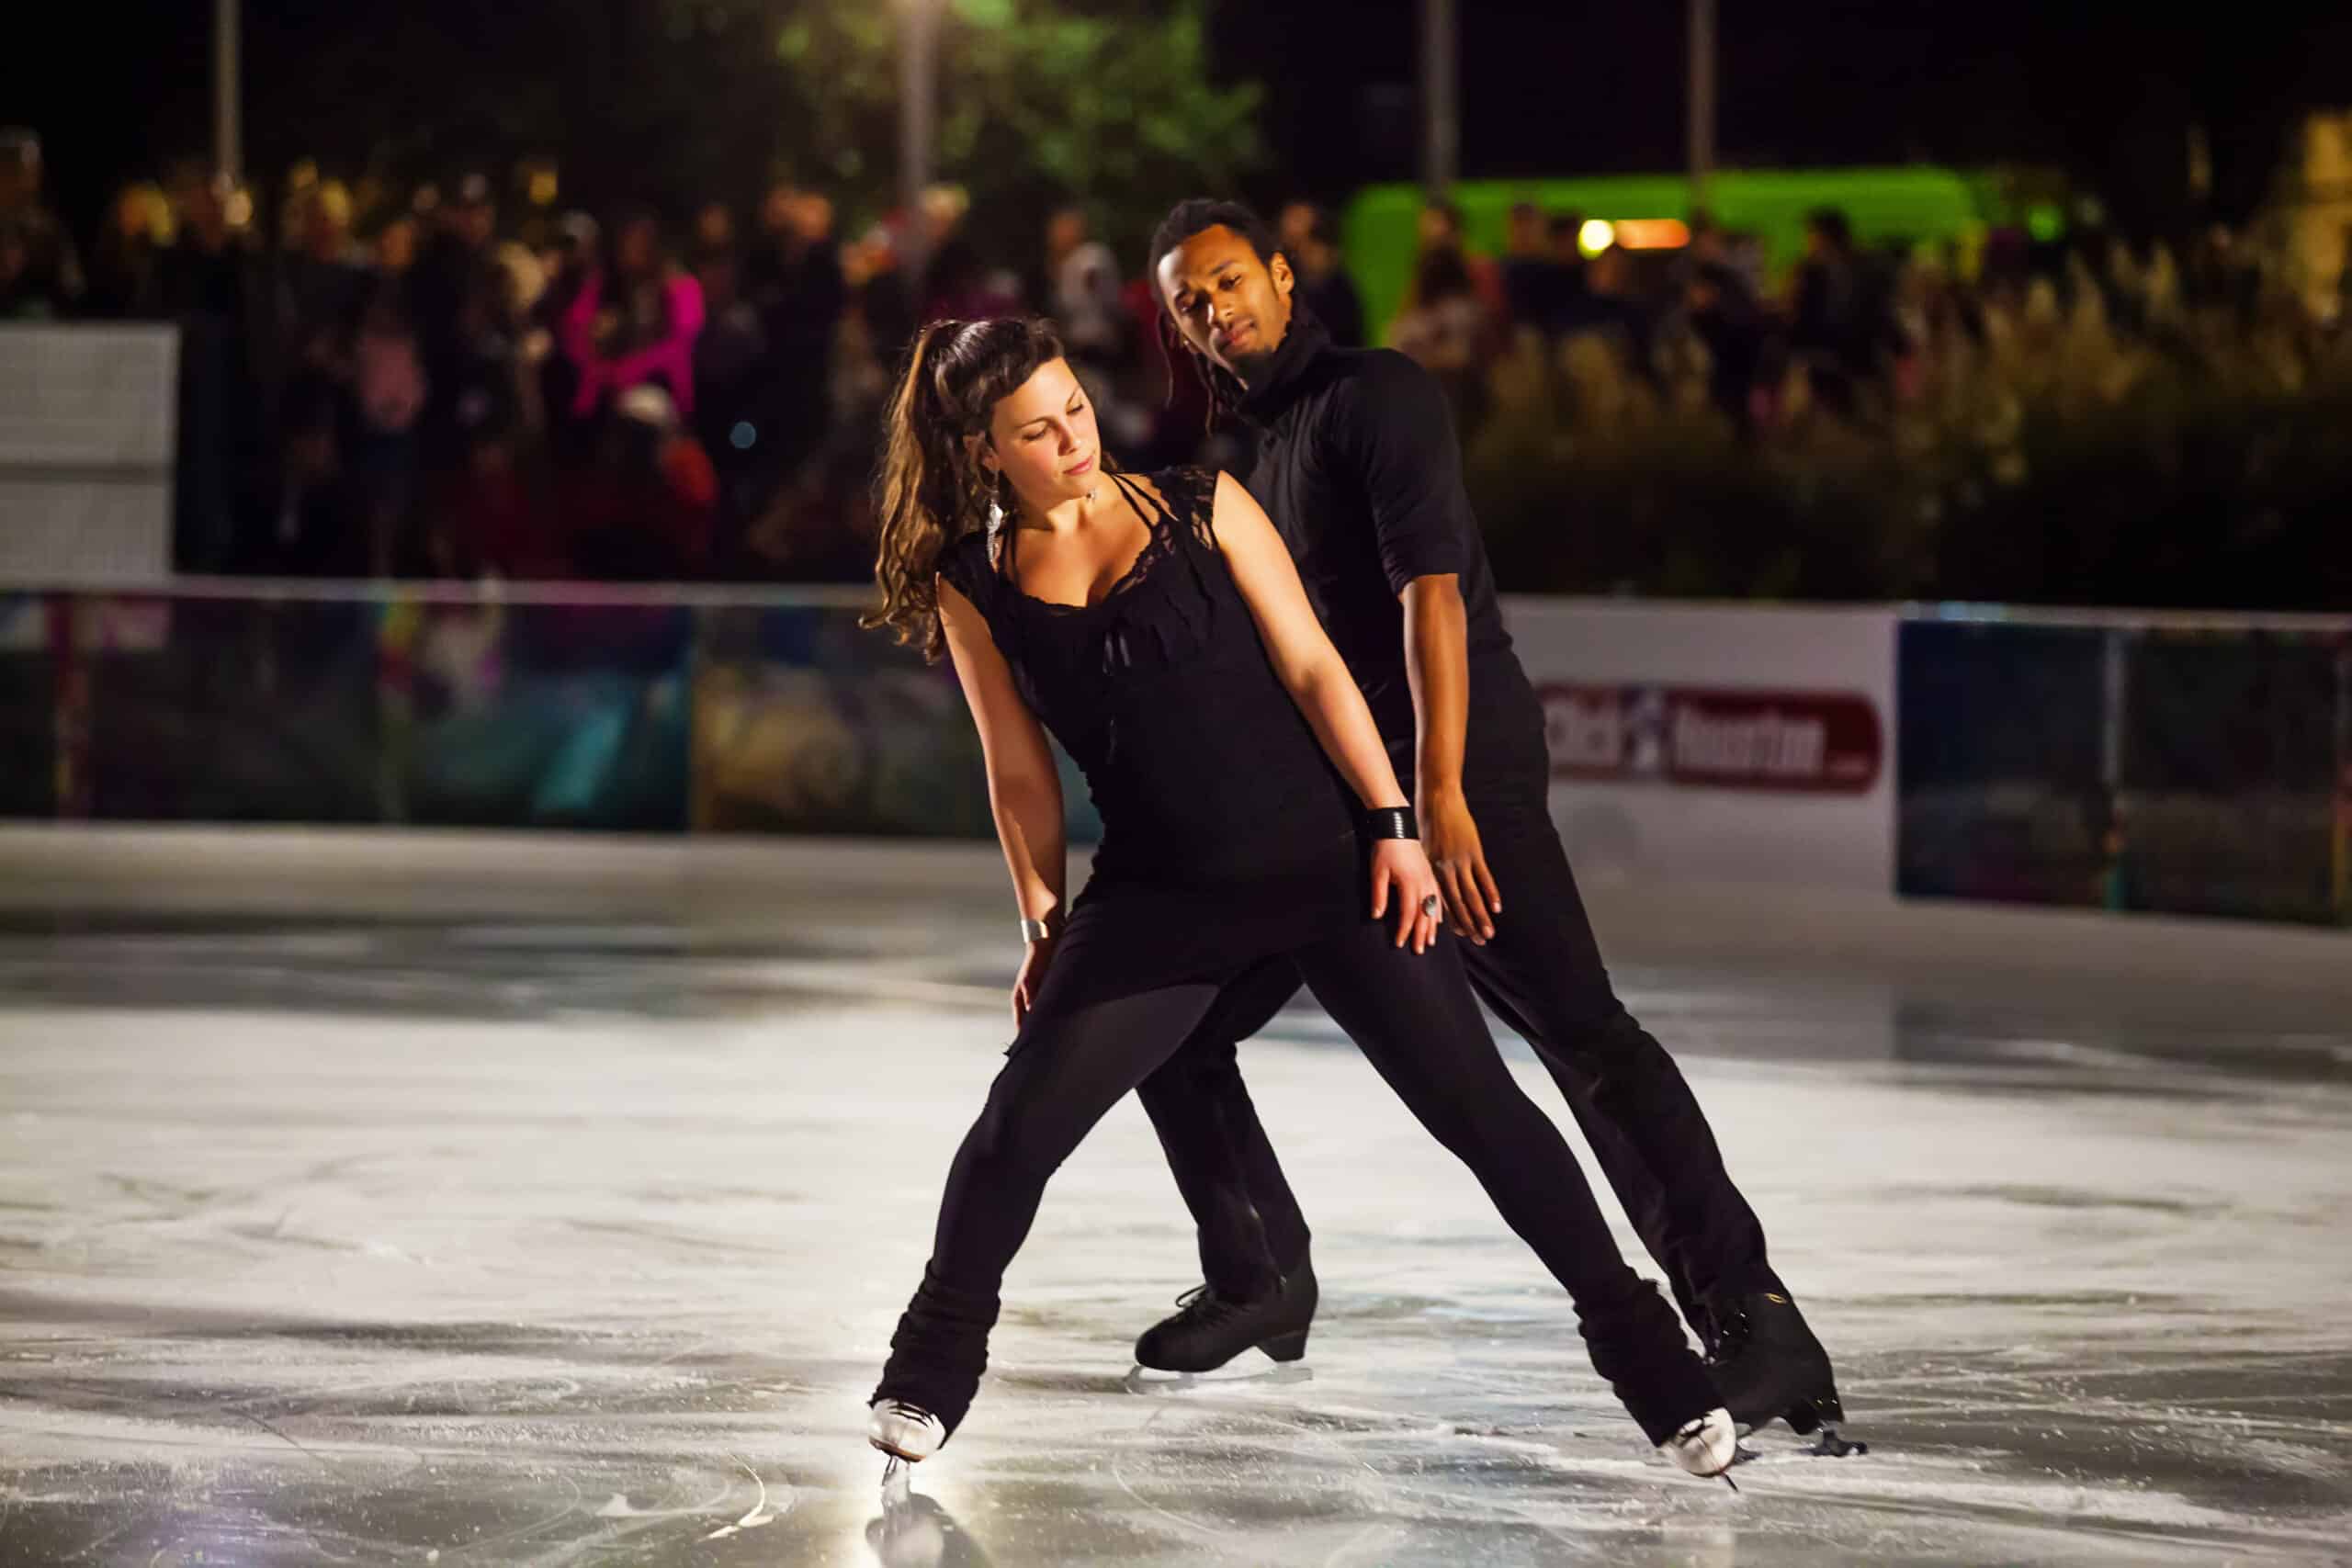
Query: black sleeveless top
{"x": 1207, "y": 777}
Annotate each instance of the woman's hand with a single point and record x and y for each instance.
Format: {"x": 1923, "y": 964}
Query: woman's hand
{"x": 1032, "y": 979}
{"x": 1399, "y": 868}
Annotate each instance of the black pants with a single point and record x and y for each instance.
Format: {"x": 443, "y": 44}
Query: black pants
{"x": 1542, "y": 974}
{"x": 1415, "y": 1018}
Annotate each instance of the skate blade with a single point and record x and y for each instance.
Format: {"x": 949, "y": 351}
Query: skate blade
{"x": 1145, "y": 1380}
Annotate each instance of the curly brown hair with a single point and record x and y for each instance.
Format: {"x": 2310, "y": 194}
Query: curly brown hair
{"x": 930, "y": 490}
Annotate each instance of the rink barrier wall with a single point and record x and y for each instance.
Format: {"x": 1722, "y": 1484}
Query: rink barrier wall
{"x": 2185, "y": 764}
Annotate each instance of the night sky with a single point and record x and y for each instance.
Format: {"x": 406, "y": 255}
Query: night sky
{"x": 1560, "y": 87}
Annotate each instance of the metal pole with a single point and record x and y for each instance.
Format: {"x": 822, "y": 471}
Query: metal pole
{"x": 228, "y": 152}
{"x": 1441, "y": 97}
{"x": 918, "y": 115}
{"x": 1702, "y": 99}
{"x": 2342, "y": 801}
{"x": 2115, "y": 696}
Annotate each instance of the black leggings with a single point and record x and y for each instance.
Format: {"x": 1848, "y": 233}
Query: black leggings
{"x": 1415, "y": 1018}
{"x": 1543, "y": 974}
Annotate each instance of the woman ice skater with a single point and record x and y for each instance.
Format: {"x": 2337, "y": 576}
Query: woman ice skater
{"x": 1157, "y": 628}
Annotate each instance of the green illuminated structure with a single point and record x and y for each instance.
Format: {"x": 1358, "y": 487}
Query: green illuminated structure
{"x": 1917, "y": 203}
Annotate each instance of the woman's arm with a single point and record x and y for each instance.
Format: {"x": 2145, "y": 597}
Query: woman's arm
{"x": 1317, "y": 679}
{"x": 1310, "y": 667}
{"x": 1024, "y": 788}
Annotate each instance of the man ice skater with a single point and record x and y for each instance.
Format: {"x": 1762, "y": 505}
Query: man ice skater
{"x": 1359, "y": 468}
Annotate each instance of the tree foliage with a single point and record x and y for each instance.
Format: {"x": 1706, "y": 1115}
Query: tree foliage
{"x": 1108, "y": 104}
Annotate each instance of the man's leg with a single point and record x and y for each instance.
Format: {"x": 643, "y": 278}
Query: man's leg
{"x": 1543, "y": 973}
{"x": 1252, "y": 1232}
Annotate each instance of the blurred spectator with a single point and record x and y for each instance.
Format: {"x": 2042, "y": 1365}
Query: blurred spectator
{"x": 733, "y": 398}
{"x": 634, "y": 321}
{"x": 714, "y": 234}
{"x": 324, "y": 286}
{"x": 1609, "y": 307}
{"x": 1312, "y": 242}
{"x": 1841, "y": 318}
{"x": 1727, "y": 318}
{"x": 39, "y": 274}
{"x": 1571, "y": 276}
{"x": 209, "y": 268}
{"x": 1441, "y": 229}
{"x": 458, "y": 299}
{"x": 209, "y": 282}
{"x": 313, "y": 531}
{"x": 394, "y": 249}
{"x": 125, "y": 265}
{"x": 1446, "y": 327}
{"x": 959, "y": 285}
{"x": 1082, "y": 293}
{"x": 793, "y": 280}
{"x": 642, "y": 512}
{"x": 389, "y": 393}
{"x": 488, "y": 520}
{"x": 565, "y": 266}
{"x": 1537, "y": 283}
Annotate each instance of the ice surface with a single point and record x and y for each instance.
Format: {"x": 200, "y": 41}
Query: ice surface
{"x": 577, "y": 1240}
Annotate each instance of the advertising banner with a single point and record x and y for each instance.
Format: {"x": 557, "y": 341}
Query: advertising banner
{"x": 1718, "y": 742}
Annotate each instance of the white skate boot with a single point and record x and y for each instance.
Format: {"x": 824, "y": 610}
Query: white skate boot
{"x": 904, "y": 1432}
{"x": 1707, "y": 1446}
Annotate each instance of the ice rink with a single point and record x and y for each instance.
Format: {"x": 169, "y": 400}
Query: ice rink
{"x": 487, "y": 1201}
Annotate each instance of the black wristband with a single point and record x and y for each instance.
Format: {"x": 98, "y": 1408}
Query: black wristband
{"x": 1391, "y": 822}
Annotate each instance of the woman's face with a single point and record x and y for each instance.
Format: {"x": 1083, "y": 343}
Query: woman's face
{"x": 637, "y": 249}
{"x": 1043, "y": 436}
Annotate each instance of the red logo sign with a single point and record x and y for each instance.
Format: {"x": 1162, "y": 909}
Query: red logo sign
{"x": 1803, "y": 742}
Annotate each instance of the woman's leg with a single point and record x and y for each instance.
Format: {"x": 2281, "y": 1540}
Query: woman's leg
{"x": 1415, "y": 1018}
{"x": 1070, "y": 1064}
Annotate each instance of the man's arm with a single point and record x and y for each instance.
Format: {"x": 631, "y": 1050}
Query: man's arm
{"x": 1399, "y": 435}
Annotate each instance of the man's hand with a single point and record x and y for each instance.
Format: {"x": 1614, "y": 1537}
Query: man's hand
{"x": 1451, "y": 838}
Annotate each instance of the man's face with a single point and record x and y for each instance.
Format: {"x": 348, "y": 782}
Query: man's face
{"x": 1230, "y": 305}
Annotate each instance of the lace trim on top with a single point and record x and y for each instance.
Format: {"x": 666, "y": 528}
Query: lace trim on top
{"x": 1179, "y": 489}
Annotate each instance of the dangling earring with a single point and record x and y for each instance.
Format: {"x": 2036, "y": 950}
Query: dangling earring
{"x": 996, "y": 520}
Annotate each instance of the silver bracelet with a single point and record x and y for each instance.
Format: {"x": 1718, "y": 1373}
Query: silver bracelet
{"x": 1034, "y": 931}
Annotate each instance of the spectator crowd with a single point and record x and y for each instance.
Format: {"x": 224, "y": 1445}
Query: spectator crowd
{"x": 464, "y": 380}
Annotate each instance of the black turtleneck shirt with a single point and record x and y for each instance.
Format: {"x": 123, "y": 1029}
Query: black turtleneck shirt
{"x": 1360, "y": 471}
